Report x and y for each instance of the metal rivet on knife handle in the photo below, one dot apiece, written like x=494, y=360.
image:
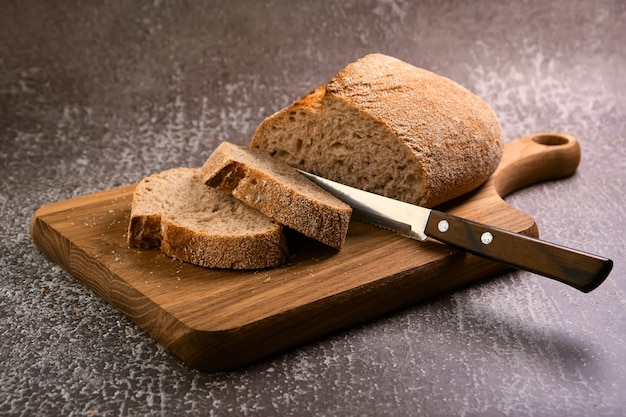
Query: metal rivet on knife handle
x=486, y=238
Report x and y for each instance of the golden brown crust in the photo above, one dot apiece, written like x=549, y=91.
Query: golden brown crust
x=223, y=250
x=278, y=191
x=391, y=128
x=144, y=231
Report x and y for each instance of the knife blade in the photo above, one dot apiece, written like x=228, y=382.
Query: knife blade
x=581, y=270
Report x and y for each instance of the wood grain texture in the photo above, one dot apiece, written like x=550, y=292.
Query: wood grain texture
x=220, y=319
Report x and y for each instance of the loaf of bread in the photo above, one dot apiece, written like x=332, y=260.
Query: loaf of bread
x=278, y=191
x=385, y=126
x=195, y=223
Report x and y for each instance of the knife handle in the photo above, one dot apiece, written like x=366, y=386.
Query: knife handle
x=578, y=269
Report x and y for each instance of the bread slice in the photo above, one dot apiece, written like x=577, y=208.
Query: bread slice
x=388, y=127
x=200, y=225
x=278, y=191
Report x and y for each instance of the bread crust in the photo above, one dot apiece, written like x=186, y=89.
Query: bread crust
x=223, y=250
x=189, y=221
x=278, y=191
x=388, y=127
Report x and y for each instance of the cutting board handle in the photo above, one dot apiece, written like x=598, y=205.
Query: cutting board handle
x=531, y=159
x=535, y=158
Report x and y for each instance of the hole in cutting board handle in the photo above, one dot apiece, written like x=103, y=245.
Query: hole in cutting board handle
x=551, y=139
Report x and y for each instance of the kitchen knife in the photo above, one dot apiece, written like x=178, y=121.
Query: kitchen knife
x=580, y=270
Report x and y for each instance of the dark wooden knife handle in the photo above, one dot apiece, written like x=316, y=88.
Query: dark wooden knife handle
x=578, y=269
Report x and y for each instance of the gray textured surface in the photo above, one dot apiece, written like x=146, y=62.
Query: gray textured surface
x=98, y=95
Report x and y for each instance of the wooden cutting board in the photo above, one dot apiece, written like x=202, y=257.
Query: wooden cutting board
x=221, y=319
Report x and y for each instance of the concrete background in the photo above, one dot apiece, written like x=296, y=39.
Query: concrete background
x=98, y=94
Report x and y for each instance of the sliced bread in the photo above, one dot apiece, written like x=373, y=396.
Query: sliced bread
x=278, y=191
x=194, y=223
x=388, y=127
